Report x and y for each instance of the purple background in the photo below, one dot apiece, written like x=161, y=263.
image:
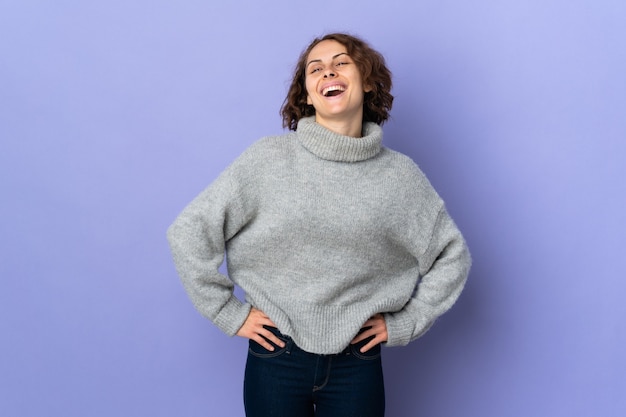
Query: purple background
x=113, y=115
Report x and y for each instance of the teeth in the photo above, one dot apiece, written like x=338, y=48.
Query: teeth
x=332, y=88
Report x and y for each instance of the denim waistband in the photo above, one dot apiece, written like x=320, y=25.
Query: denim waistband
x=291, y=344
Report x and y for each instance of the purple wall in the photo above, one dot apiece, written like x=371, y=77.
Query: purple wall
x=113, y=115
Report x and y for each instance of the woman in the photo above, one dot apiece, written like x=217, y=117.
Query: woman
x=339, y=244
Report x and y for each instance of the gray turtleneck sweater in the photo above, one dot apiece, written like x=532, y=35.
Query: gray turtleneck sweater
x=322, y=232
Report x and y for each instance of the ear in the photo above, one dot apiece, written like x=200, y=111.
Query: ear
x=308, y=100
x=367, y=88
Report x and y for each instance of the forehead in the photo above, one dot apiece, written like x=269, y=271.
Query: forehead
x=326, y=50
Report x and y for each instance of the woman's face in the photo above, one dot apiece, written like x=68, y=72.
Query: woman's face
x=333, y=84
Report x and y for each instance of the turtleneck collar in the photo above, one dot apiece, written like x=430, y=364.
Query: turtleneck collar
x=332, y=146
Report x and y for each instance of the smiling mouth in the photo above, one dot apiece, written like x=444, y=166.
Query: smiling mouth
x=333, y=90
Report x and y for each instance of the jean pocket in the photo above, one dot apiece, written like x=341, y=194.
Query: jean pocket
x=259, y=351
x=373, y=353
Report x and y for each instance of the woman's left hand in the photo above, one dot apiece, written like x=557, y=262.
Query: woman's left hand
x=376, y=327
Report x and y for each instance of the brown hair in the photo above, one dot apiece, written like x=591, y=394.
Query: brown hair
x=374, y=73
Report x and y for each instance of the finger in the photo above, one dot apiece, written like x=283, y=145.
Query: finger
x=369, y=345
x=256, y=320
x=368, y=325
x=266, y=333
x=362, y=336
x=263, y=342
x=268, y=322
x=379, y=333
x=373, y=323
x=378, y=339
x=261, y=328
x=263, y=337
x=255, y=329
x=273, y=338
x=369, y=331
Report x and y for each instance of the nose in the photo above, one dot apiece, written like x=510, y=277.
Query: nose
x=329, y=73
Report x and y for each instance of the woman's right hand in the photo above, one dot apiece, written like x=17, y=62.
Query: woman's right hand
x=253, y=329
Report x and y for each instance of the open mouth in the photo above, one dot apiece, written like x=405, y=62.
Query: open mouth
x=333, y=90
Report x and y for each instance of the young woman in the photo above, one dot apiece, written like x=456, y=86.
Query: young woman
x=339, y=244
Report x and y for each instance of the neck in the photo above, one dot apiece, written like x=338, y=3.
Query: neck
x=347, y=127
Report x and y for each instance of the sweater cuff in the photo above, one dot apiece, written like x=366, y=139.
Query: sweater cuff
x=232, y=316
x=398, y=329
x=403, y=327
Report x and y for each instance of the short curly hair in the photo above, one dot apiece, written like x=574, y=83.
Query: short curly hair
x=374, y=73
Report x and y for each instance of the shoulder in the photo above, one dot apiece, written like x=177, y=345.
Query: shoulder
x=411, y=187
x=270, y=145
x=403, y=167
x=242, y=175
x=264, y=152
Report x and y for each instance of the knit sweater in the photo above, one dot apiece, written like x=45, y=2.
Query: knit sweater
x=322, y=232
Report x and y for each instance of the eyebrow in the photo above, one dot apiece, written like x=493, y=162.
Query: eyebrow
x=319, y=60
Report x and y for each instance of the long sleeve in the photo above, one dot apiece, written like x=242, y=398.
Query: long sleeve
x=444, y=266
x=197, y=241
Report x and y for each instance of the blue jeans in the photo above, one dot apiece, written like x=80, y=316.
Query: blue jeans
x=290, y=382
